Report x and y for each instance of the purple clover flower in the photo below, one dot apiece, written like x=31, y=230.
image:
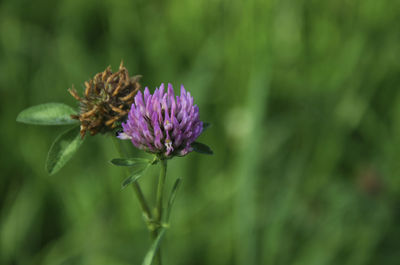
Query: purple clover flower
x=163, y=123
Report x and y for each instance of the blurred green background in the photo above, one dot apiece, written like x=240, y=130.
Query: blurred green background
x=304, y=101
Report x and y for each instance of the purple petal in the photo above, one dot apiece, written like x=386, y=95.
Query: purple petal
x=163, y=122
x=146, y=94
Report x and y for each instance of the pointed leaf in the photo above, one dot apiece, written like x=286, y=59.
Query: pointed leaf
x=132, y=178
x=129, y=162
x=148, y=259
x=47, y=114
x=202, y=148
x=62, y=149
x=206, y=125
x=172, y=197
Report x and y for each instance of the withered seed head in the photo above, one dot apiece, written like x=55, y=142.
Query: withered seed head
x=106, y=100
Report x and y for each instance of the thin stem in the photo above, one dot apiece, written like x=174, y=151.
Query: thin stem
x=160, y=189
x=142, y=201
x=136, y=188
x=159, y=205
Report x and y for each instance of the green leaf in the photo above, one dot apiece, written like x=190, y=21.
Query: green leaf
x=206, y=125
x=132, y=178
x=130, y=162
x=62, y=149
x=148, y=259
x=202, y=148
x=172, y=197
x=47, y=114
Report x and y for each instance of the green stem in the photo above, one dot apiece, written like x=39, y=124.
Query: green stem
x=160, y=189
x=142, y=201
x=159, y=205
x=136, y=188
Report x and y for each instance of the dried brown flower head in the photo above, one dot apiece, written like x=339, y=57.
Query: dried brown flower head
x=106, y=101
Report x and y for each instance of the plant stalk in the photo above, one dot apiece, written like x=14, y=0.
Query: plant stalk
x=136, y=188
x=159, y=206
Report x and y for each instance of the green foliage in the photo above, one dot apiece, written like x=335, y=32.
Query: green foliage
x=133, y=178
x=172, y=198
x=202, y=148
x=148, y=259
x=47, y=114
x=206, y=125
x=304, y=101
x=130, y=162
x=139, y=164
x=62, y=149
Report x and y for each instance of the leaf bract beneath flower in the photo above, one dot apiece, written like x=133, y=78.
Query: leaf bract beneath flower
x=202, y=148
x=206, y=125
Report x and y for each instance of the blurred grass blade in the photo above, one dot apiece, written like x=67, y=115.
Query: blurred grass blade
x=47, y=114
x=148, y=259
x=132, y=178
x=62, y=149
x=172, y=197
x=129, y=162
x=202, y=148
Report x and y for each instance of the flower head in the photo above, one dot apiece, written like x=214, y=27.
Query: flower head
x=163, y=123
x=106, y=101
